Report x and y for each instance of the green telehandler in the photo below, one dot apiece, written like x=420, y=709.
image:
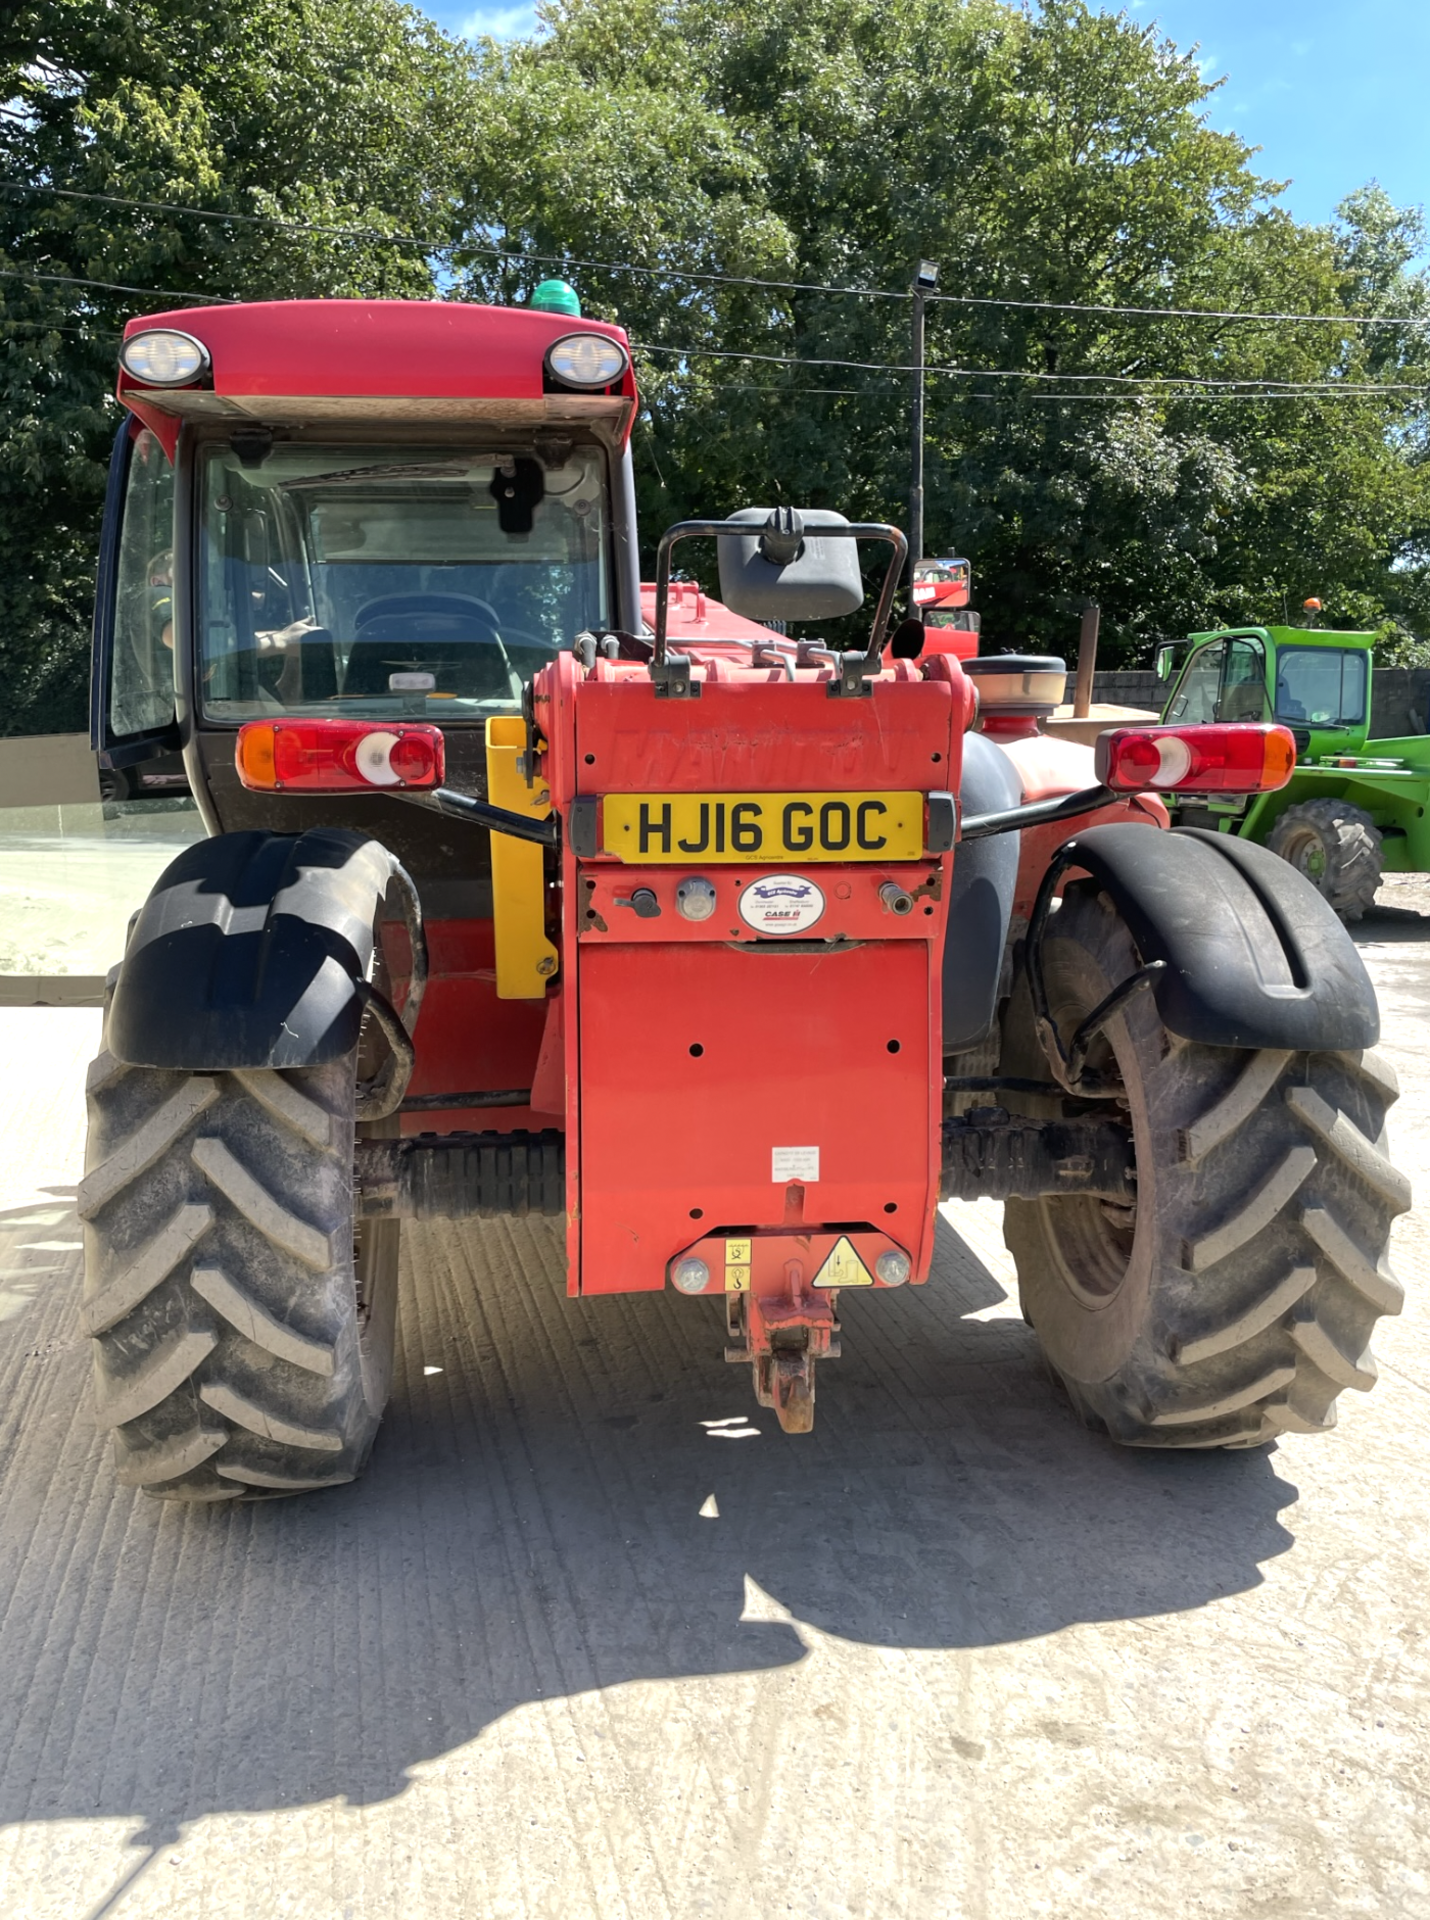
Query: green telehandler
x=1355, y=807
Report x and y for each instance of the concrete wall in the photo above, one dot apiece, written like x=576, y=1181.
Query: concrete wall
x=1399, y=701
x=47, y=770
x=1140, y=688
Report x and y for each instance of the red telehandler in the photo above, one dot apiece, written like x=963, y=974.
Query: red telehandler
x=530, y=890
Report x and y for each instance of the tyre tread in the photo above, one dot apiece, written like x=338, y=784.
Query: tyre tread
x=1353, y=844
x=1278, y=1196
x=220, y=1285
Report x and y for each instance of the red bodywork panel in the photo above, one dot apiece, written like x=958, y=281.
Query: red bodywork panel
x=692, y=615
x=1047, y=767
x=469, y=1041
x=794, y=1054
x=721, y=1083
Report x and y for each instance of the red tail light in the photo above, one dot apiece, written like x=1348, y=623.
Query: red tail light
x=1206, y=759
x=338, y=756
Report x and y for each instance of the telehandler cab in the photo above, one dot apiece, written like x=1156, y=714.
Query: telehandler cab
x=534, y=890
x=1356, y=806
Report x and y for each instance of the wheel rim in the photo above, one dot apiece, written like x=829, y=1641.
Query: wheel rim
x=1094, y=1243
x=1306, y=851
x=1093, y=1239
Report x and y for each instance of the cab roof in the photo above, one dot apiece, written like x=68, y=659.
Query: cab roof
x=1288, y=636
x=436, y=361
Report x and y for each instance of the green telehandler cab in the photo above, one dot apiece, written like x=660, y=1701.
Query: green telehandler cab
x=1355, y=808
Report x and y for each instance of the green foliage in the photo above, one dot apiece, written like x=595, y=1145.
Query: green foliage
x=1056, y=155
x=1043, y=154
x=321, y=112
x=1395, y=646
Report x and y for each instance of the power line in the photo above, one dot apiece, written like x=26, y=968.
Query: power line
x=113, y=286
x=213, y=213
x=714, y=279
x=1082, y=399
x=1179, y=313
x=1194, y=381
x=439, y=250
x=1200, y=383
x=8, y=325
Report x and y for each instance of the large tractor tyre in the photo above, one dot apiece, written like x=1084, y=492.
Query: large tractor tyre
x=1337, y=847
x=1235, y=1299
x=243, y=1321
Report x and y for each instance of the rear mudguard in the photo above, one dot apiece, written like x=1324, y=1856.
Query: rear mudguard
x=247, y=952
x=980, y=898
x=1254, y=956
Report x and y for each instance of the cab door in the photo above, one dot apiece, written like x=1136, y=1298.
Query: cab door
x=1224, y=680
x=132, y=707
x=1194, y=702
x=1243, y=693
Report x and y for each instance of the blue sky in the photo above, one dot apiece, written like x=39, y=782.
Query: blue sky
x=1333, y=94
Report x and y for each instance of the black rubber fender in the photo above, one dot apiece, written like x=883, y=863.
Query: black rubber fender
x=980, y=898
x=1255, y=957
x=247, y=950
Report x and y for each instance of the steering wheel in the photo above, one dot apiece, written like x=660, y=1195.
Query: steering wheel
x=455, y=605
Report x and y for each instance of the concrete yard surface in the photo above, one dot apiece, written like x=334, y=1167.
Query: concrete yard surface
x=594, y=1641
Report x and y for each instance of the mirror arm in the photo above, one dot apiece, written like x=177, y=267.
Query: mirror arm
x=735, y=529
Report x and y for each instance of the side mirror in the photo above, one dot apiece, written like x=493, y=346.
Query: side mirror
x=782, y=570
x=1166, y=660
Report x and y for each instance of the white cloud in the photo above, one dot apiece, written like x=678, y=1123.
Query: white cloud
x=502, y=23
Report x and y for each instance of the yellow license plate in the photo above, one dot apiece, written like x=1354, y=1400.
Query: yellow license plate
x=763, y=827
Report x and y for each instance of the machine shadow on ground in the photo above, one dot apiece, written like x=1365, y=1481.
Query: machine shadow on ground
x=531, y=1526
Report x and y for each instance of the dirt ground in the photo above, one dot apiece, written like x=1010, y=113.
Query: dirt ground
x=593, y=1639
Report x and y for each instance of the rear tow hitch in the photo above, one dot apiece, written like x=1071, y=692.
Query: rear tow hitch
x=782, y=1334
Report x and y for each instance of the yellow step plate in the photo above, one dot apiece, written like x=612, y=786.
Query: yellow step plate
x=670, y=828
x=526, y=959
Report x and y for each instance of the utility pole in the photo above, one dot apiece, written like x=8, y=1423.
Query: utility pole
x=925, y=280
x=1086, y=660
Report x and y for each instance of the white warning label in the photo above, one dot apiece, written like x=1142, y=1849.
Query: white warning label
x=794, y=1163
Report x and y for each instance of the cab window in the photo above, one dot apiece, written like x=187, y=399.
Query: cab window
x=141, y=689
x=1243, y=683
x=1224, y=680
x=1194, y=702
x=379, y=579
x=1321, y=686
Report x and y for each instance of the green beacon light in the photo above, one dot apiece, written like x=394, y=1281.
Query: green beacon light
x=557, y=296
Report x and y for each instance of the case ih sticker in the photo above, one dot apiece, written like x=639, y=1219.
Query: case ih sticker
x=782, y=903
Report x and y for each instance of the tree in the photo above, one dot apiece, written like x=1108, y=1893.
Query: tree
x=1059, y=158
x=296, y=122
x=739, y=166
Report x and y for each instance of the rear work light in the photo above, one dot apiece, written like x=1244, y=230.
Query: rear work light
x=164, y=357
x=1201, y=759
x=587, y=360
x=337, y=756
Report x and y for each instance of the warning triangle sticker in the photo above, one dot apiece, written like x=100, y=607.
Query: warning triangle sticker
x=843, y=1268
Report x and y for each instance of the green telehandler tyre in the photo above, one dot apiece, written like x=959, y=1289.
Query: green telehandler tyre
x=1337, y=847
